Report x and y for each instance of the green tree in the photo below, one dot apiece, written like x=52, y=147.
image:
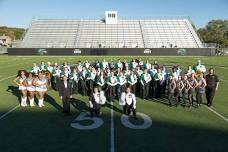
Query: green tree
x=216, y=31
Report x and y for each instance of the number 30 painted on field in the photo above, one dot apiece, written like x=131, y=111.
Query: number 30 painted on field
x=97, y=122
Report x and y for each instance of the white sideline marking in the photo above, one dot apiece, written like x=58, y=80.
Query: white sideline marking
x=5, y=114
x=112, y=129
x=7, y=78
x=218, y=114
x=223, y=67
x=224, y=80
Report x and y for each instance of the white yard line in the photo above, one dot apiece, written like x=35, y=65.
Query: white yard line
x=7, y=113
x=12, y=65
x=223, y=80
x=218, y=114
x=112, y=148
x=7, y=77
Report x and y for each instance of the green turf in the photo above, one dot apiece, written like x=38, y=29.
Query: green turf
x=173, y=129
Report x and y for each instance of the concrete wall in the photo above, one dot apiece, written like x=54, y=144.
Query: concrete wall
x=112, y=51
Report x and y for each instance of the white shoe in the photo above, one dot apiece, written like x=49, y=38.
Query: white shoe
x=25, y=101
x=42, y=102
x=25, y=104
x=32, y=105
x=39, y=104
x=32, y=102
x=22, y=104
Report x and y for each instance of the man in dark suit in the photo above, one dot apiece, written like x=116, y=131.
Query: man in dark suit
x=65, y=93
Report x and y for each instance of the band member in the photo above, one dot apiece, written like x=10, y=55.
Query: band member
x=132, y=80
x=104, y=65
x=56, y=78
x=193, y=84
x=112, y=82
x=91, y=75
x=74, y=79
x=171, y=89
x=140, y=63
x=121, y=86
x=35, y=69
x=178, y=90
x=65, y=72
x=185, y=90
x=165, y=77
x=153, y=72
x=82, y=81
x=145, y=79
x=139, y=72
x=100, y=81
x=126, y=65
x=87, y=64
x=133, y=64
x=199, y=67
x=190, y=71
x=43, y=67
x=119, y=64
x=65, y=65
x=127, y=72
x=128, y=101
x=179, y=70
x=212, y=85
x=30, y=88
x=200, y=89
x=41, y=87
x=65, y=93
x=49, y=67
x=147, y=65
x=159, y=80
x=79, y=66
x=20, y=82
x=175, y=73
x=95, y=101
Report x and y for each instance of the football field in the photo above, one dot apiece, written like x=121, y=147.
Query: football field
x=159, y=128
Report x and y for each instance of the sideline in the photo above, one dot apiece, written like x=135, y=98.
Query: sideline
x=7, y=113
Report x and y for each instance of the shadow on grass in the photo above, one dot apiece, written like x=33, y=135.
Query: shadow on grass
x=14, y=91
x=42, y=127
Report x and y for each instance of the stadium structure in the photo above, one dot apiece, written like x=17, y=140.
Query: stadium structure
x=111, y=36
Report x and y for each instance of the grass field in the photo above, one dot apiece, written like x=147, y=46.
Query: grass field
x=34, y=129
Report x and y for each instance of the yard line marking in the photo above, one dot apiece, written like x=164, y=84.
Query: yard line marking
x=218, y=114
x=7, y=113
x=112, y=129
x=7, y=78
x=224, y=80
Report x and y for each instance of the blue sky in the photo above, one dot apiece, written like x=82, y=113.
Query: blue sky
x=19, y=13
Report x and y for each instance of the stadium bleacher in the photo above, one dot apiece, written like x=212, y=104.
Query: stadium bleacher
x=125, y=33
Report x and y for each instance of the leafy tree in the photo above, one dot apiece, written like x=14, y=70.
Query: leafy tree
x=216, y=31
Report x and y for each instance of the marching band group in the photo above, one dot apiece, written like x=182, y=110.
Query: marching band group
x=102, y=80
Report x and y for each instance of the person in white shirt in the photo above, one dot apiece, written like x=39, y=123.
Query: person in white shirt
x=49, y=67
x=200, y=67
x=96, y=99
x=35, y=69
x=190, y=71
x=121, y=86
x=20, y=82
x=41, y=87
x=128, y=101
